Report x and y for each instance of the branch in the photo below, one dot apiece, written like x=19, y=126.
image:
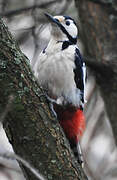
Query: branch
x=7, y=108
x=12, y=156
x=23, y=10
x=110, y=5
x=33, y=131
x=105, y=70
x=100, y=42
x=102, y=2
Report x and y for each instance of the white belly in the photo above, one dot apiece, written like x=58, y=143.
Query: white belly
x=54, y=72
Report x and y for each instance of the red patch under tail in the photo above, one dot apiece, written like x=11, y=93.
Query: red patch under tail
x=72, y=121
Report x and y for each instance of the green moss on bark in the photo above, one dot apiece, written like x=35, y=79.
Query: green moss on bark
x=32, y=129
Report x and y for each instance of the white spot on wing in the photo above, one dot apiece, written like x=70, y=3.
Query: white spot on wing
x=84, y=78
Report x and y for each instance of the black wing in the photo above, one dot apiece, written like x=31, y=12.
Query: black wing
x=79, y=72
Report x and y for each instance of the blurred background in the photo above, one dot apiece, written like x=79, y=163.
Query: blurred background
x=26, y=22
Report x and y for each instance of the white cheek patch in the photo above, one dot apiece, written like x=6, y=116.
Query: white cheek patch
x=71, y=29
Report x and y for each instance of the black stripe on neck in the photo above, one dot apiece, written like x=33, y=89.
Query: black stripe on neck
x=71, y=39
x=65, y=44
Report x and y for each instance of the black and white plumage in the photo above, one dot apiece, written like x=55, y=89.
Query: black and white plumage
x=60, y=67
x=61, y=71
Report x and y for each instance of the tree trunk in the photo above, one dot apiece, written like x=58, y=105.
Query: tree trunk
x=99, y=26
x=33, y=131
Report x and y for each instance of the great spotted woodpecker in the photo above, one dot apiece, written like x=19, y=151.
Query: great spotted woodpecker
x=61, y=70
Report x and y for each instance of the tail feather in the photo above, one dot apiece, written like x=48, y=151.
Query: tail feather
x=72, y=121
x=77, y=151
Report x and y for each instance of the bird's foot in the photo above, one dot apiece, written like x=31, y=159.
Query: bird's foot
x=50, y=103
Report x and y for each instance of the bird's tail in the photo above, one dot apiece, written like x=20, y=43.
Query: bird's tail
x=72, y=121
x=77, y=151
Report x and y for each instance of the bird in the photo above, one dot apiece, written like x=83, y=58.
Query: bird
x=60, y=70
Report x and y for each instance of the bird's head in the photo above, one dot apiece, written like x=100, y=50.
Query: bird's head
x=63, y=27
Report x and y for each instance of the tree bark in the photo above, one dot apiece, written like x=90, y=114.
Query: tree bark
x=99, y=24
x=33, y=131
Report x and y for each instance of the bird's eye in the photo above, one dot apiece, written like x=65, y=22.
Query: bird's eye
x=67, y=23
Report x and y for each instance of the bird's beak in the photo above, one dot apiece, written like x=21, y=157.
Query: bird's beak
x=52, y=19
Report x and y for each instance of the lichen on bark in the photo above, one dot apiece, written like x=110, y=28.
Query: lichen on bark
x=33, y=131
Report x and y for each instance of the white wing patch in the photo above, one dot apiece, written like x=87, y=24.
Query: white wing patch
x=84, y=78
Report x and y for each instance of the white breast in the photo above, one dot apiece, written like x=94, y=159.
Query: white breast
x=54, y=71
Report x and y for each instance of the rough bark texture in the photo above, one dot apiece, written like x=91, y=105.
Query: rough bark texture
x=99, y=25
x=31, y=128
